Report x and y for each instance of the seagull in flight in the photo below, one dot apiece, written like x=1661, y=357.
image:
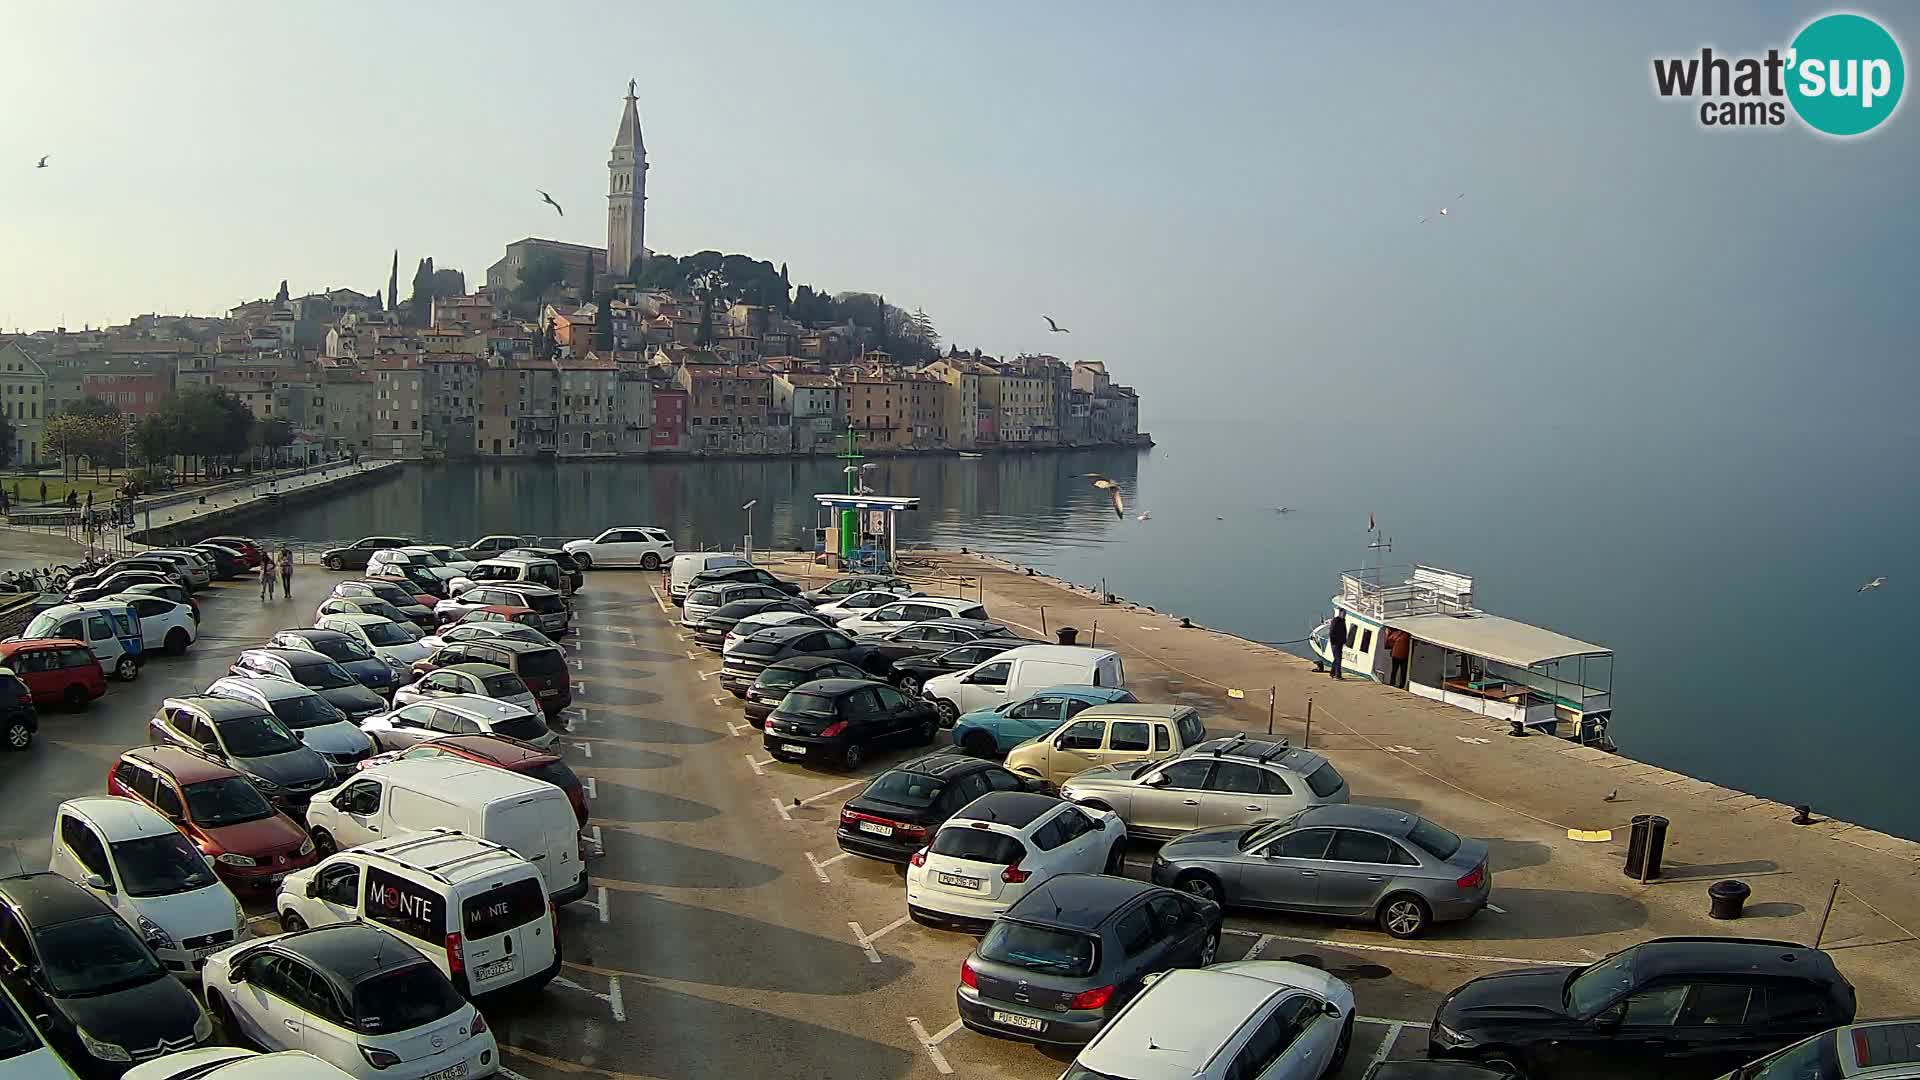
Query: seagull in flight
x=1145, y=515
x=548, y=199
x=1449, y=206
x=1283, y=509
x=43, y=161
x=1113, y=491
x=1874, y=584
x=1054, y=327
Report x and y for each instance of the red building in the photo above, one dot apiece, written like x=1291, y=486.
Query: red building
x=133, y=393
x=669, y=419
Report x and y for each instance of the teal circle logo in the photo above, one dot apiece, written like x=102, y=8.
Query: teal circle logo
x=1846, y=74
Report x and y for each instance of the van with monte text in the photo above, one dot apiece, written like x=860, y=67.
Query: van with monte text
x=528, y=815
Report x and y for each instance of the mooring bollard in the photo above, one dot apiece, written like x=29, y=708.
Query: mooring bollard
x=1728, y=898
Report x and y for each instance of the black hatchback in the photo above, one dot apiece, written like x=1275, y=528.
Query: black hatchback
x=1671, y=1007
x=99, y=993
x=895, y=814
x=833, y=721
x=1070, y=954
x=770, y=688
x=713, y=630
x=18, y=718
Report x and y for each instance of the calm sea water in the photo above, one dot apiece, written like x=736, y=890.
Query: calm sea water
x=1723, y=572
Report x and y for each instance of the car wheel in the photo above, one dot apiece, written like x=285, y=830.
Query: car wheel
x=1404, y=915
x=585, y=560
x=76, y=697
x=853, y=756
x=979, y=744
x=332, y=562
x=177, y=641
x=1210, y=948
x=1503, y=1063
x=323, y=843
x=125, y=670
x=949, y=712
x=1201, y=884
x=292, y=923
x=650, y=561
x=19, y=735
x=1117, y=861
x=909, y=686
x=1340, y=1050
x=223, y=1015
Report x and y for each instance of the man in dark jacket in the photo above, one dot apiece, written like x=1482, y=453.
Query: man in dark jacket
x=1337, y=640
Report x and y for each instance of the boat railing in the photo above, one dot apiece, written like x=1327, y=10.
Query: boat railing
x=1386, y=592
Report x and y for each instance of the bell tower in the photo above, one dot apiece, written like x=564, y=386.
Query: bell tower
x=627, y=193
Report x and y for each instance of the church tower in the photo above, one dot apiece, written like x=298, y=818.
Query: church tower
x=627, y=194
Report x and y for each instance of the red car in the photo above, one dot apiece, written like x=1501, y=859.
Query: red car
x=251, y=845
x=503, y=752
x=250, y=552
x=405, y=584
x=57, y=670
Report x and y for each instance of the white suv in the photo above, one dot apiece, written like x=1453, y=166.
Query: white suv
x=474, y=908
x=1001, y=846
x=646, y=548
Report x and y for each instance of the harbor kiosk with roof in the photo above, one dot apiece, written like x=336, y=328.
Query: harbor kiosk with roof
x=861, y=531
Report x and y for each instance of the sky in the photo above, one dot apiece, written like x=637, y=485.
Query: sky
x=1220, y=200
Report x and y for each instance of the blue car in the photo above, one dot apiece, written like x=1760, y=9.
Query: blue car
x=993, y=732
x=376, y=673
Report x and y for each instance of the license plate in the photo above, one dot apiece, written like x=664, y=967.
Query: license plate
x=957, y=881
x=796, y=748
x=274, y=880
x=495, y=969
x=548, y=693
x=455, y=1073
x=877, y=830
x=1012, y=1020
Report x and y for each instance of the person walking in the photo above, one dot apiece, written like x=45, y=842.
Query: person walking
x=1337, y=639
x=266, y=577
x=286, y=572
x=1399, y=644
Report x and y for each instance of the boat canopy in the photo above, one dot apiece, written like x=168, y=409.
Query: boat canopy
x=1495, y=638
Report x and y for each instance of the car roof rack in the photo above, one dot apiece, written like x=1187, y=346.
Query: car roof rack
x=1279, y=747
x=1230, y=744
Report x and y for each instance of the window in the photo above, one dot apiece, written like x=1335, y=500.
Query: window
x=1657, y=1006
x=993, y=675
x=99, y=627
x=1191, y=730
x=1272, y=1038
x=135, y=779
x=13, y=938
x=1305, y=844
x=1722, y=1004
x=1135, y=931
x=1366, y=641
x=86, y=847
x=1127, y=735
x=361, y=797
x=1326, y=780
x=1083, y=735
x=1352, y=845
x=399, y=904
x=1002, y=780
x=499, y=910
x=1796, y=1005
x=1272, y=783
x=1074, y=823
x=1232, y=776
x=167, y=800
x=1170, y=915
x=1189, y=774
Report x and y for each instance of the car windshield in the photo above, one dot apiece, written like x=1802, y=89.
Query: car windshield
x=306, y=711
x=336, y=647
x=161, y=866
x=94, y=955
x=1810, y=1059
x=504, y=684
x=230, y=800
x=41, y=627
x=1592, y=988
x=525, y=728
x=392, y=594
x=391, y=633
x=1326, y=780
x=322, y=675
x=775, y=678
x=1260, y=834
x=425, y=558
x=16, y=1036
x=545, y=603
x=1431, y=838
x=257, y=736
x=543, y=662
x=978, y=845
x=900, y=787
x=401, y=1000
x=759, y=646
x=1038, y=948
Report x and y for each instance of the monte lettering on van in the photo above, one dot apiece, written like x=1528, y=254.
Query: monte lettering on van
x=399, y=904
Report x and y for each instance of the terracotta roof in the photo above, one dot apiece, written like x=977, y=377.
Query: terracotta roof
x=812, y=379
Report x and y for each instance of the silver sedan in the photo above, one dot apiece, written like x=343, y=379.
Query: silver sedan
x=1199, y=789
x=1393, y=868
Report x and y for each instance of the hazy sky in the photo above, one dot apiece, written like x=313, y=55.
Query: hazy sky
x=1208, y=194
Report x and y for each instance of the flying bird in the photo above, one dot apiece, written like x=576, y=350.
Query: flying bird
x=1456, y=200
x=1370, y=525
x=1146, y=515
x=1055, y=327
x=1874, y=584
x=548, y=199
x=43, y=161
x=1283, y=509
x=1113, y=491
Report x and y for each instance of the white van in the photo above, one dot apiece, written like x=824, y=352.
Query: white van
x=111, y=629
x=688, y=564
x=474, y=908
x=532, y=817
x=1020, y=672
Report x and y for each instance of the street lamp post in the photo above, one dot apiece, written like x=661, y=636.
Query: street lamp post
x=748, y=546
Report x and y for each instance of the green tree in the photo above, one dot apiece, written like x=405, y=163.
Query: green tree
x=91, y=406
x=393, y=283
x=7, y=436
x=66, y=436
x=586, y=285
x=603, y=324
x=542, y=274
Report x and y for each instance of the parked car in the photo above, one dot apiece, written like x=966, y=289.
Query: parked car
x=373, y=605
x=898, y=810
x=424, y=582
x=473, y=909
x=713, y=630
x=913, y=609
x=228, y=564
x=1019, y=672
x=372, y=670
x=1073, y=952
x=552, y=617
x=853, y=583
x=1424, y=1069
x=517, y=567
x=57, y=671
x=1681, y=1007
x=355, y=996
x=149, y=874
x=502, y=752
x=690, y=564
x=19, y=719
x=108, y=627
x=488, y=546
x=355, y=555
x=936, y=636
x=770, y=688
x=576, y=577
x=743, y=663
x=542, y=667
x=768, y=617
x=411, y=609
x=249, y=550
x=479, y=680
x=25, y=1053
x=1392, y=868
x=166, y=568
x=1265, y=1019
x=315, y=721
x=910, y=673
x=458, y=714
x=251, y=844
x=1876, y=1050
x=97, y=991
x=1237, y=781
x=236, y=1063
x=314, y=670
x=197, y=568
x=249, y=739
x=398, y=642
x=482, y=624
x=124, y=581
x=834, y=721
x=1001, y=846
x=431, y=565
x=995, y=731
x=704, y=600
x=745, y=575
x=1108, y=735
x=642, y=546
x=162, y=590
x=446, y=555
x=850, y=605
x=165, y=626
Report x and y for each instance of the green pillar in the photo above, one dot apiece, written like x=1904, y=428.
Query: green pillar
x=850, y=519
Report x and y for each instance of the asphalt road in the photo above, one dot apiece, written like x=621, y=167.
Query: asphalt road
x=725, y=935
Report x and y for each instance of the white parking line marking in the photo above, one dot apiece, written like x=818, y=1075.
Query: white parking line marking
x=931, y=1044
x=593, y=792
x=615, y=1001
x=831, y=791
x=691, y=655
x=658, y=599
x=892, y=926
x=705, y=675
x=781, y=809
x=1386, y=1046
x=1496, y=909
x=1403, y=950
x=820, y=868
x=586, y=748
x=873, y=954
x=510, y=1074
x=737, y=730
x=1259, y=947
x=759, y=767
x=576, y=664
x=1417, y=1025
x=719, y=700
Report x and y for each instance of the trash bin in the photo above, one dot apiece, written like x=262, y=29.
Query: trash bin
x=1067, y=634
x=1646, y=841
x=1729, y=898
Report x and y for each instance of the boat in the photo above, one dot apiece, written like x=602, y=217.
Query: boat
x=965, y=454
x=1529, y=677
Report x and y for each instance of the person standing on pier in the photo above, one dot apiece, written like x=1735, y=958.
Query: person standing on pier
x=1399, y=644
x=286, y=572
x=1337, y=640
x=266, y=576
